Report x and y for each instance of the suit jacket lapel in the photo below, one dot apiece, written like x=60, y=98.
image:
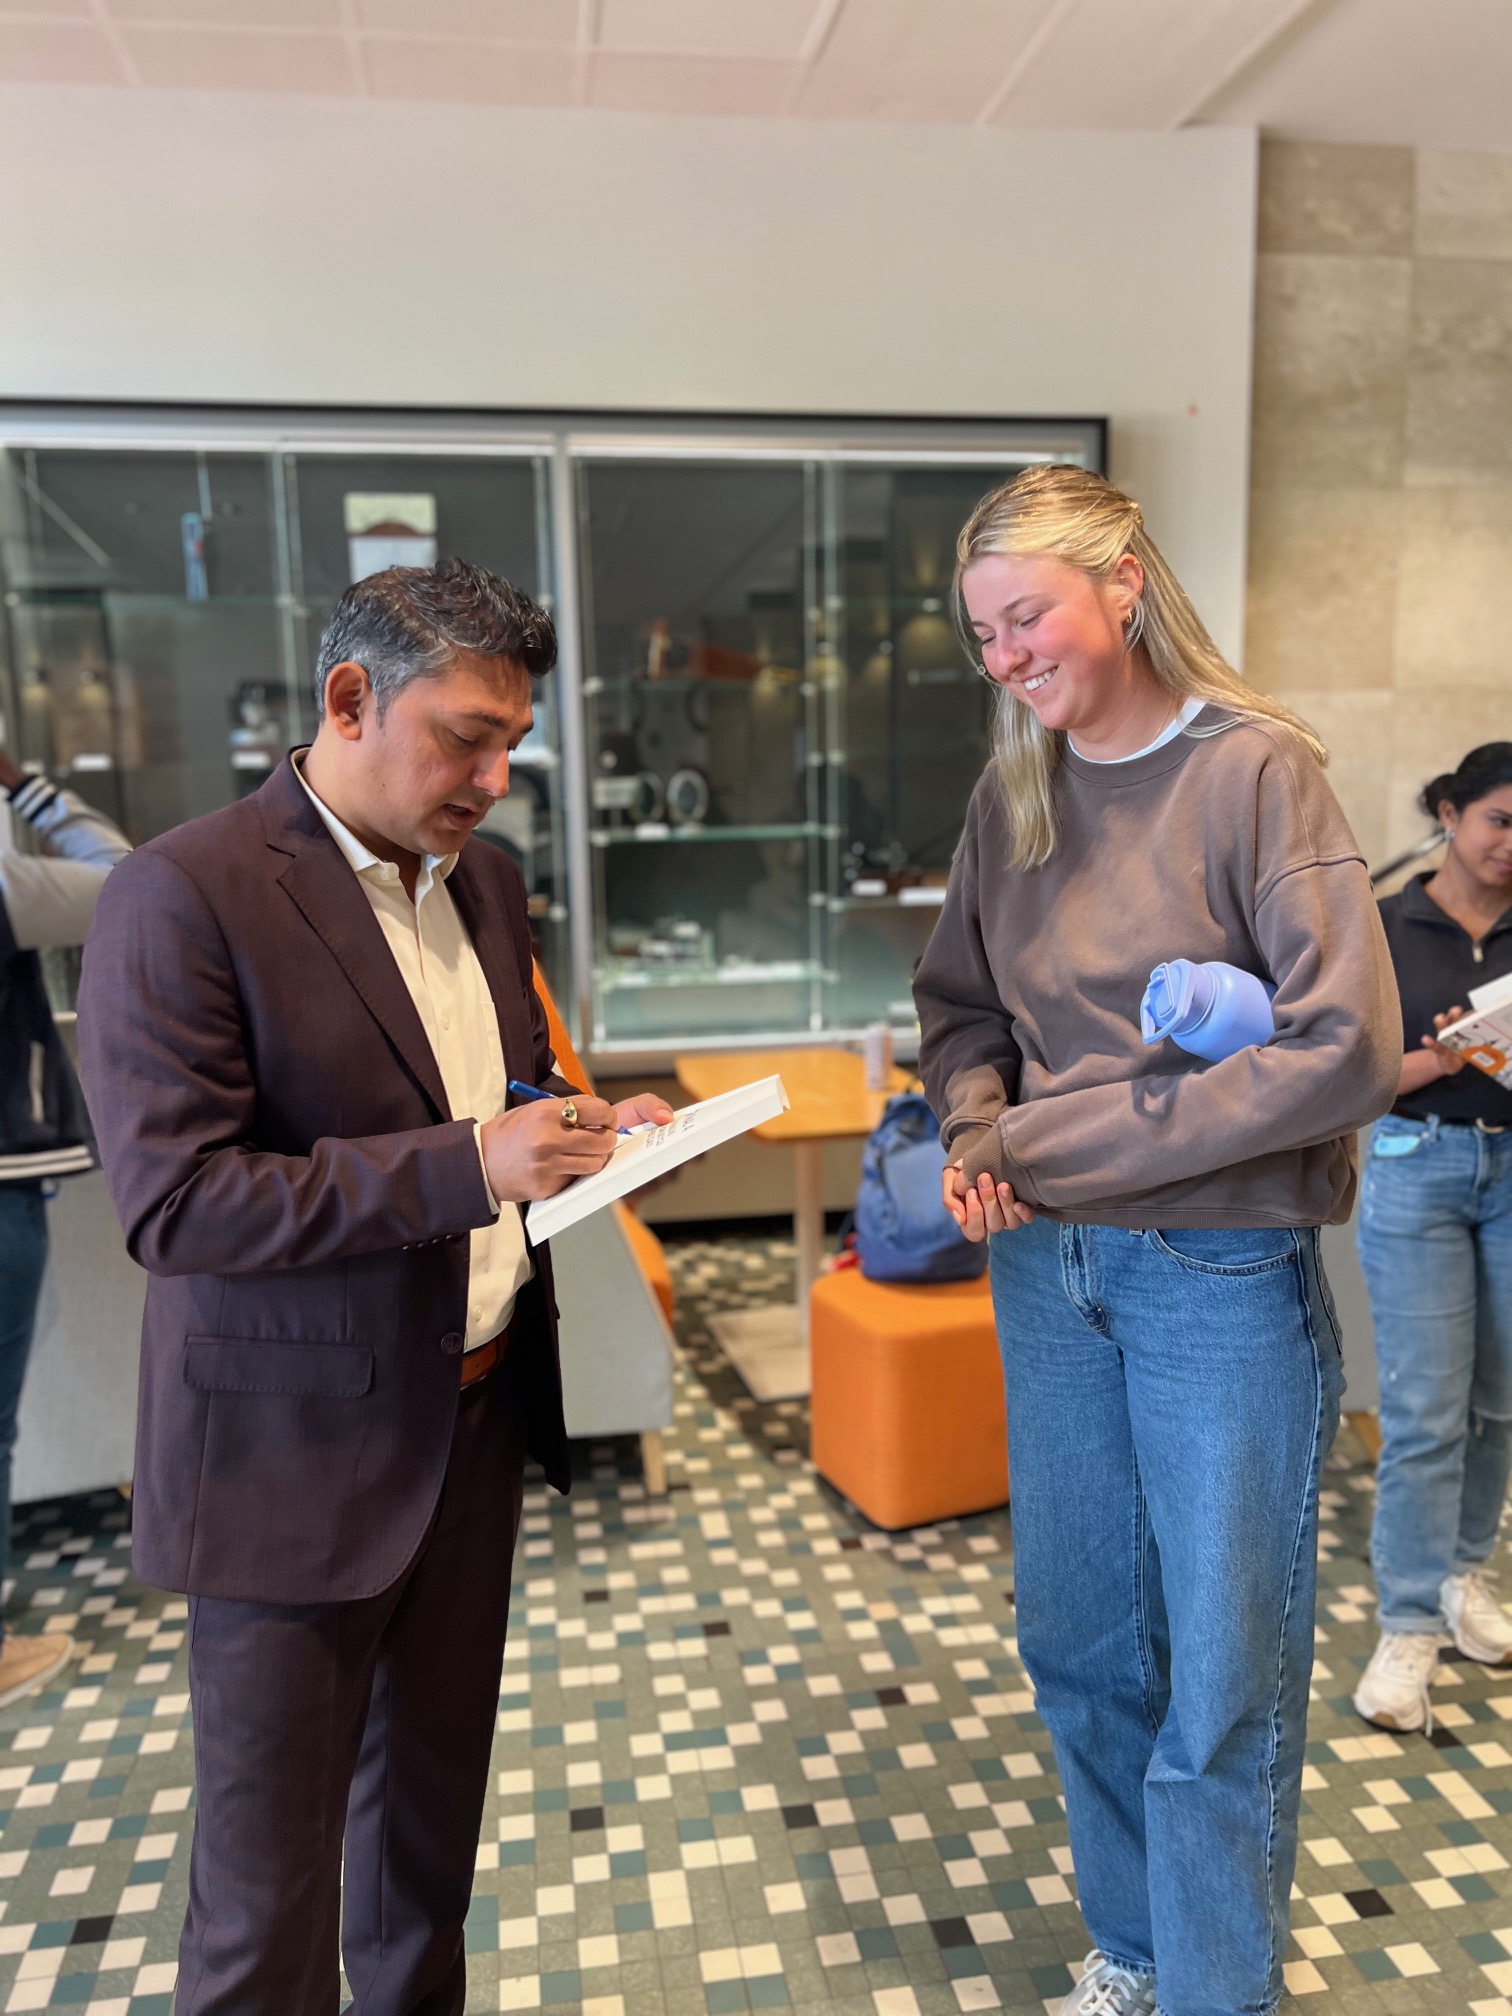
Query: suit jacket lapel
x=320, y=881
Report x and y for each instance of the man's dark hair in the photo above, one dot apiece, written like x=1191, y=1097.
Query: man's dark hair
x=407, y=622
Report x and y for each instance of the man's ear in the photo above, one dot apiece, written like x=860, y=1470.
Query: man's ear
x=349, y=702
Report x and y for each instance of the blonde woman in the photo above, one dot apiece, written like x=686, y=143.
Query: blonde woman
x=1169, y=1345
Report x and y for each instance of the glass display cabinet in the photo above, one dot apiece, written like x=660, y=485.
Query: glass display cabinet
x=737, y=810
x=780, y=728
x=165, y=601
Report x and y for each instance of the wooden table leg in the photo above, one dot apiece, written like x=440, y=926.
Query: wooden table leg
x=654, y=1462
x=808, y=1221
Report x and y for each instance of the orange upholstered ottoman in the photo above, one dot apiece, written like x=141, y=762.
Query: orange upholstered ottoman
x=907, y=1413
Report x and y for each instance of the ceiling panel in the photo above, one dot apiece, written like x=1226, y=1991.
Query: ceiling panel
x=1406, y=73
x=1106, y=64
x=766, y=28
x=921, y=93
x=543, y=22
x=620, y=83
x=49, y=52
x=201, y=59
x=1431, y=73
x=245, y=14
x=39, y=11
x=472, y=73
x=939, y=34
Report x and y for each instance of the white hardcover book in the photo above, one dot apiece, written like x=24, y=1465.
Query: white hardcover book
x=653, y=1151
x=1484, y=1036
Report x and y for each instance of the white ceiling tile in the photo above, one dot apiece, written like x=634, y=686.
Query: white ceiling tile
x=938, y=33
x=248, y=14
x=685, y=84
x=904, y=93
x=202, y=59
x=471, y=73
x=55, y=52
x=774, y=28
x=1111, y=64
x=1395, y=73
x=539, y=22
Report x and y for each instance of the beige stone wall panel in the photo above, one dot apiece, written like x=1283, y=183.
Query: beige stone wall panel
x=1459, y=395
x=1321, y=198
x=1380, y=599
x=1464, y=205
x=1331, y=350
x=1454, y=593
x=1322, y=587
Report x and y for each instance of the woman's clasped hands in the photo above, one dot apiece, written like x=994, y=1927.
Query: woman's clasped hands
x=984, y=1206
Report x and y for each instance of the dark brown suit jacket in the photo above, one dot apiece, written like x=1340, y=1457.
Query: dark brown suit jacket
x=278, y=1144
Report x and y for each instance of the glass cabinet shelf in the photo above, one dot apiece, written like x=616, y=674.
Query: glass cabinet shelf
x=652, y=835
x=926, y=898
x=762, y=682
x=773, y=973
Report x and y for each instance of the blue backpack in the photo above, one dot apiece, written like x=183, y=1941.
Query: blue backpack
x=903, y=1231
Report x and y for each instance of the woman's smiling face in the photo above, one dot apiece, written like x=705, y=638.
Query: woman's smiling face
x=1051, y=634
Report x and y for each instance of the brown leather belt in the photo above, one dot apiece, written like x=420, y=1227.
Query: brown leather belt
x=478, y=1364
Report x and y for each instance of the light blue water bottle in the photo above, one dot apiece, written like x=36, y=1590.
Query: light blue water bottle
x=1211, y=1009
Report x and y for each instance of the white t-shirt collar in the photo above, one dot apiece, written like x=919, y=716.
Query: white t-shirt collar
x=1189, y=711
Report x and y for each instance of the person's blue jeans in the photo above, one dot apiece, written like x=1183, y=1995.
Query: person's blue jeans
x=1171, y=1397
x=23, y=1260
x=1435, y=1242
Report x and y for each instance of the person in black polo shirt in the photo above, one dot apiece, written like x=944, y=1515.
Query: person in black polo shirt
x=1436, y=1244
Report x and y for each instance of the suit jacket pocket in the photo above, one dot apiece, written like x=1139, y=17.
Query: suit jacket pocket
x=276, y=1365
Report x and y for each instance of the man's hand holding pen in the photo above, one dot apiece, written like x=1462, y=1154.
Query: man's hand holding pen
x=538, y=1148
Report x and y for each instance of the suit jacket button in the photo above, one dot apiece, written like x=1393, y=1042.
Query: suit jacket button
x=452, y=1343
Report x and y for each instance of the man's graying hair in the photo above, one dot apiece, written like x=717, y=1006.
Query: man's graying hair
x=407, y=622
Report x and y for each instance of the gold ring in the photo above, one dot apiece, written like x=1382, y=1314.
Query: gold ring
x=569, y=1113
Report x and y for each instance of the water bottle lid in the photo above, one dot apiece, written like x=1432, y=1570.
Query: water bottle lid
x=1179, y=995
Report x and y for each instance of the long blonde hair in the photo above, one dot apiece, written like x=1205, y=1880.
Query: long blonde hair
x=1081, y=519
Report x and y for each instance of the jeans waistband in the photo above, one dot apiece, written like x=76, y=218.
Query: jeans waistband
x=1436, y=1120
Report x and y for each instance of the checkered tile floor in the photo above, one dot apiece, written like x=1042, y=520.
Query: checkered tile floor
x=751, y=1755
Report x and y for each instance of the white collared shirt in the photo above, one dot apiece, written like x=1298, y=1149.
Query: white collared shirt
x=438, y=965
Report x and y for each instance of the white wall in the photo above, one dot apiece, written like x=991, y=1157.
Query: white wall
x=178, y=246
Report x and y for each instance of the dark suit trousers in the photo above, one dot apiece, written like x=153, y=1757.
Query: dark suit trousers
x=374, y=1719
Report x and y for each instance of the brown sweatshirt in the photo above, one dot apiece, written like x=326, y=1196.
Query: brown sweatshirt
x=1216, y=846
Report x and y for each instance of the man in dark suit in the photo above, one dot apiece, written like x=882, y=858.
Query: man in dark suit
x=297, y=1021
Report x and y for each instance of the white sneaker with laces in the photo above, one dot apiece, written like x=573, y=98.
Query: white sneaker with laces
x=1481, y=1627
x=1393, y=1689
x=1106, y=1989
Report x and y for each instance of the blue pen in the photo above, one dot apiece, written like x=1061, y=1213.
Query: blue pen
x=522, y=1091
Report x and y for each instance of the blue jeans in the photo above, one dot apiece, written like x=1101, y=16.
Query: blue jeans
x=23, y=1260
x=1436, y=1245
x=1171, y=1396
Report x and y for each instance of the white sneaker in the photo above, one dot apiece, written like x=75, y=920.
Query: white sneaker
x=1107, y=1989
x=1481, y=1628
x=1393, y=1689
